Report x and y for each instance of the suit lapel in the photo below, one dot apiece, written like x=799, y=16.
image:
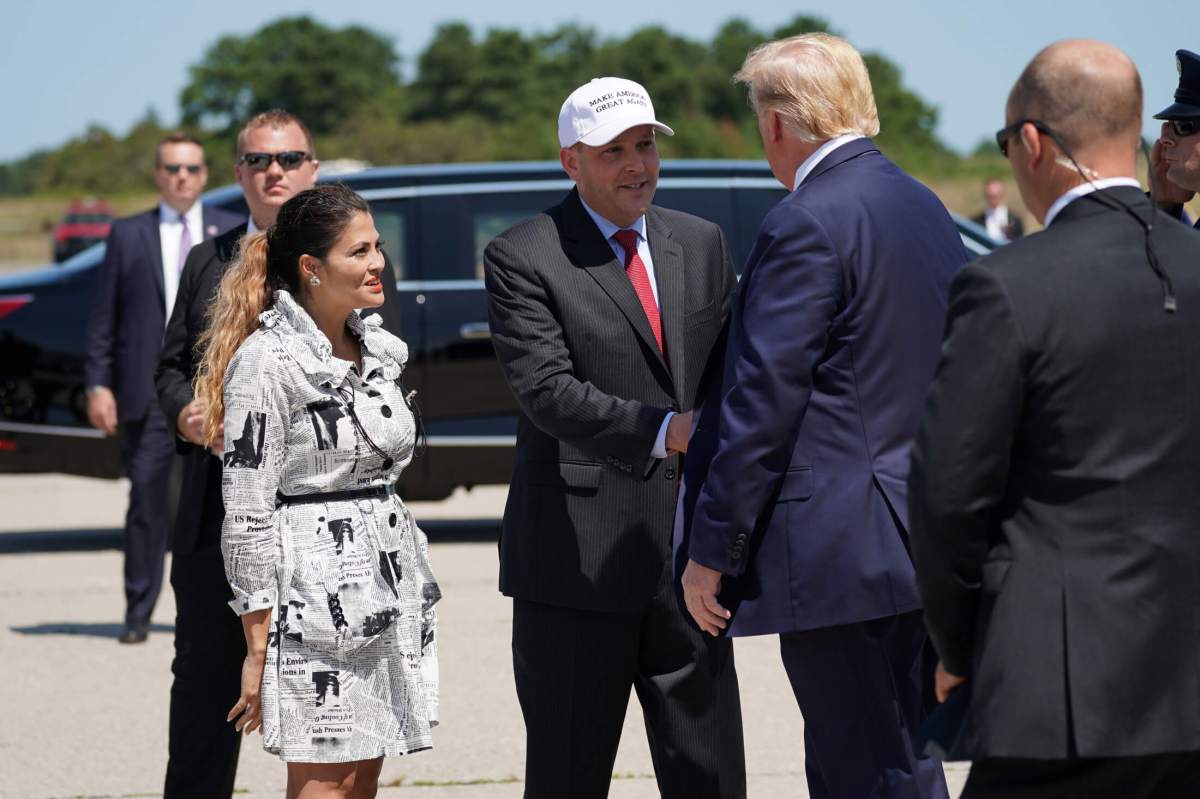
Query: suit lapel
x=589, y=250
x=153, y=244
x=669, y=274
x=211, y=228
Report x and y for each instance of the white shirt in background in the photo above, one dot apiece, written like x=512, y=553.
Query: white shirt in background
x=170, y=231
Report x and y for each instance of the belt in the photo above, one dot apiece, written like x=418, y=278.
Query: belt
x=374, y=492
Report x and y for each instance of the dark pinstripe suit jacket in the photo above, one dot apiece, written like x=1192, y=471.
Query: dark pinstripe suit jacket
x=588, y=521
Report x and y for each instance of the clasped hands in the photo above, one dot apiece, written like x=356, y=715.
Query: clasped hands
x=191, y=426
x=679, y=429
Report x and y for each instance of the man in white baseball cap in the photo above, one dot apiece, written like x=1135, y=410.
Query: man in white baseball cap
x=604, y=311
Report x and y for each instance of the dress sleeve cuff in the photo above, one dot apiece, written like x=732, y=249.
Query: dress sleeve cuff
x=660, y=443
x=248, y=603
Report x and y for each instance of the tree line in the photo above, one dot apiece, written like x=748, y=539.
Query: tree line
x=472, y=97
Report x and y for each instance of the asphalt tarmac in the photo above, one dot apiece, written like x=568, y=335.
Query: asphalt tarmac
x=87, y=717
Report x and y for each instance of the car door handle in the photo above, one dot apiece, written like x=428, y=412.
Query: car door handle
x=473, y=331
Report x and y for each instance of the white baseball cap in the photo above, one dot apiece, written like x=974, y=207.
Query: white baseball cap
x=604, y=108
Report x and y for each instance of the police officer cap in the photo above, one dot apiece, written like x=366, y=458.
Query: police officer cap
x=1187, y=96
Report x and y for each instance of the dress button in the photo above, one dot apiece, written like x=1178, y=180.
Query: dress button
x=387, y=464
x=386, y=411
x=391, y=520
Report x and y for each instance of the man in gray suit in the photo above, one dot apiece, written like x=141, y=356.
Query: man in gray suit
x=604, y=311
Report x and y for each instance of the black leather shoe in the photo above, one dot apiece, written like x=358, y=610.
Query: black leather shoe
x=133, y=634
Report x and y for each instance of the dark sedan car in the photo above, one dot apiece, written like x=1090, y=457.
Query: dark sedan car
x=437, y=221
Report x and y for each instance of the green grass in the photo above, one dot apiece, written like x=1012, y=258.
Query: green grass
x=26, y=224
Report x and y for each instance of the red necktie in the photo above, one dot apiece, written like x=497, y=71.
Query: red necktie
x=636, y=270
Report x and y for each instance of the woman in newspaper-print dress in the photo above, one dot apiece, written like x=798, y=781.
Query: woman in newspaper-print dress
x=328, y=570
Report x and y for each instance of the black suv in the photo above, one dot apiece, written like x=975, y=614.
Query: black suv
x=436, y=221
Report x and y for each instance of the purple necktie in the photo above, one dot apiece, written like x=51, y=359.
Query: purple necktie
x=185, y=244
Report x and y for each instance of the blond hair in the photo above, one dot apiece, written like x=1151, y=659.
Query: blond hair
x=277, y=119
x=816, y=82
x=243, y=295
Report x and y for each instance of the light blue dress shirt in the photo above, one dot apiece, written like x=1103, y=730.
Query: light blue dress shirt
x=607, y=229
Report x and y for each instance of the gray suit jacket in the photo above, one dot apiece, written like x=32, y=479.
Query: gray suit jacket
x=588, y=521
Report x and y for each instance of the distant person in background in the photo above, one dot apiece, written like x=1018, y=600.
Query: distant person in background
x=276, y=161
x=1176, y=155
x=996, y=219
x=135, y=293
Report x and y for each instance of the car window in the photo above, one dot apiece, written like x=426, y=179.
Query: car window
x=456, y=229
x=391, y=220
x=752, y=206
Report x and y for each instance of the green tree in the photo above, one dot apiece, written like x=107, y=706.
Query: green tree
x=442, y=87
x=322, y=75
x=664, y=63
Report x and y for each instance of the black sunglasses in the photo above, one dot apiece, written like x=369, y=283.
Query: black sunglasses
x=289, y=159
x=193, y=169
x=1184, y=127
x=1006, y=132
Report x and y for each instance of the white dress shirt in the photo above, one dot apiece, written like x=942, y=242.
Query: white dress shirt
x=1084, y=189
x=607, y=229
x=170, y=231
x=995, y=221
x=816, y=158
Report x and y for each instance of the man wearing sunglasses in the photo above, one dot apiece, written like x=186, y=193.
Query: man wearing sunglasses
x=276, y=161
x=1052, y=492
x=1176, y=154
x=136, y=288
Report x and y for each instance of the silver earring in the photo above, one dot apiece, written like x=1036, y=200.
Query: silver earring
x=314, y=280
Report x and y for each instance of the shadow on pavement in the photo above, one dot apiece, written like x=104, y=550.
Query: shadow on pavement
x=35, y=541
x=79, y=628
x=460, y=530
x=60, y=541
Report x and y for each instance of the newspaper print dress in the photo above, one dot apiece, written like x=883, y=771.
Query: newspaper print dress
x=351, y=666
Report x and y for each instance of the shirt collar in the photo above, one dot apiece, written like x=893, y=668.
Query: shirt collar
x=1084, y=189
x=310, y=348
x=607, y=228
x=816, y=158
x=251, y=228
x=169, y=215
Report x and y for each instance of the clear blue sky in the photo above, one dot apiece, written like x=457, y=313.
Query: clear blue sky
x=64, y=65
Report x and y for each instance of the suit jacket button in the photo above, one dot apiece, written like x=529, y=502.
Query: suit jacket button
x=669, y=473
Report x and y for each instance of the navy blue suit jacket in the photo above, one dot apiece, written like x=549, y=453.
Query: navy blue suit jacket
x=125, y=329
x=795, y=477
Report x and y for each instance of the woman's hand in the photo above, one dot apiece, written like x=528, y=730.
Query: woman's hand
x=248, y=710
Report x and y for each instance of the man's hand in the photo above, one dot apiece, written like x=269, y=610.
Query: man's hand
x=191, y=426
x=1166, y=191
x=679, y=429
x=945, y=682
x=102, y=410
x=700, y=588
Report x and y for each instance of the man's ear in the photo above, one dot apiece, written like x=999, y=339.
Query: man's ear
x=774, y=125
x=1032, y=142
x=569, y=160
